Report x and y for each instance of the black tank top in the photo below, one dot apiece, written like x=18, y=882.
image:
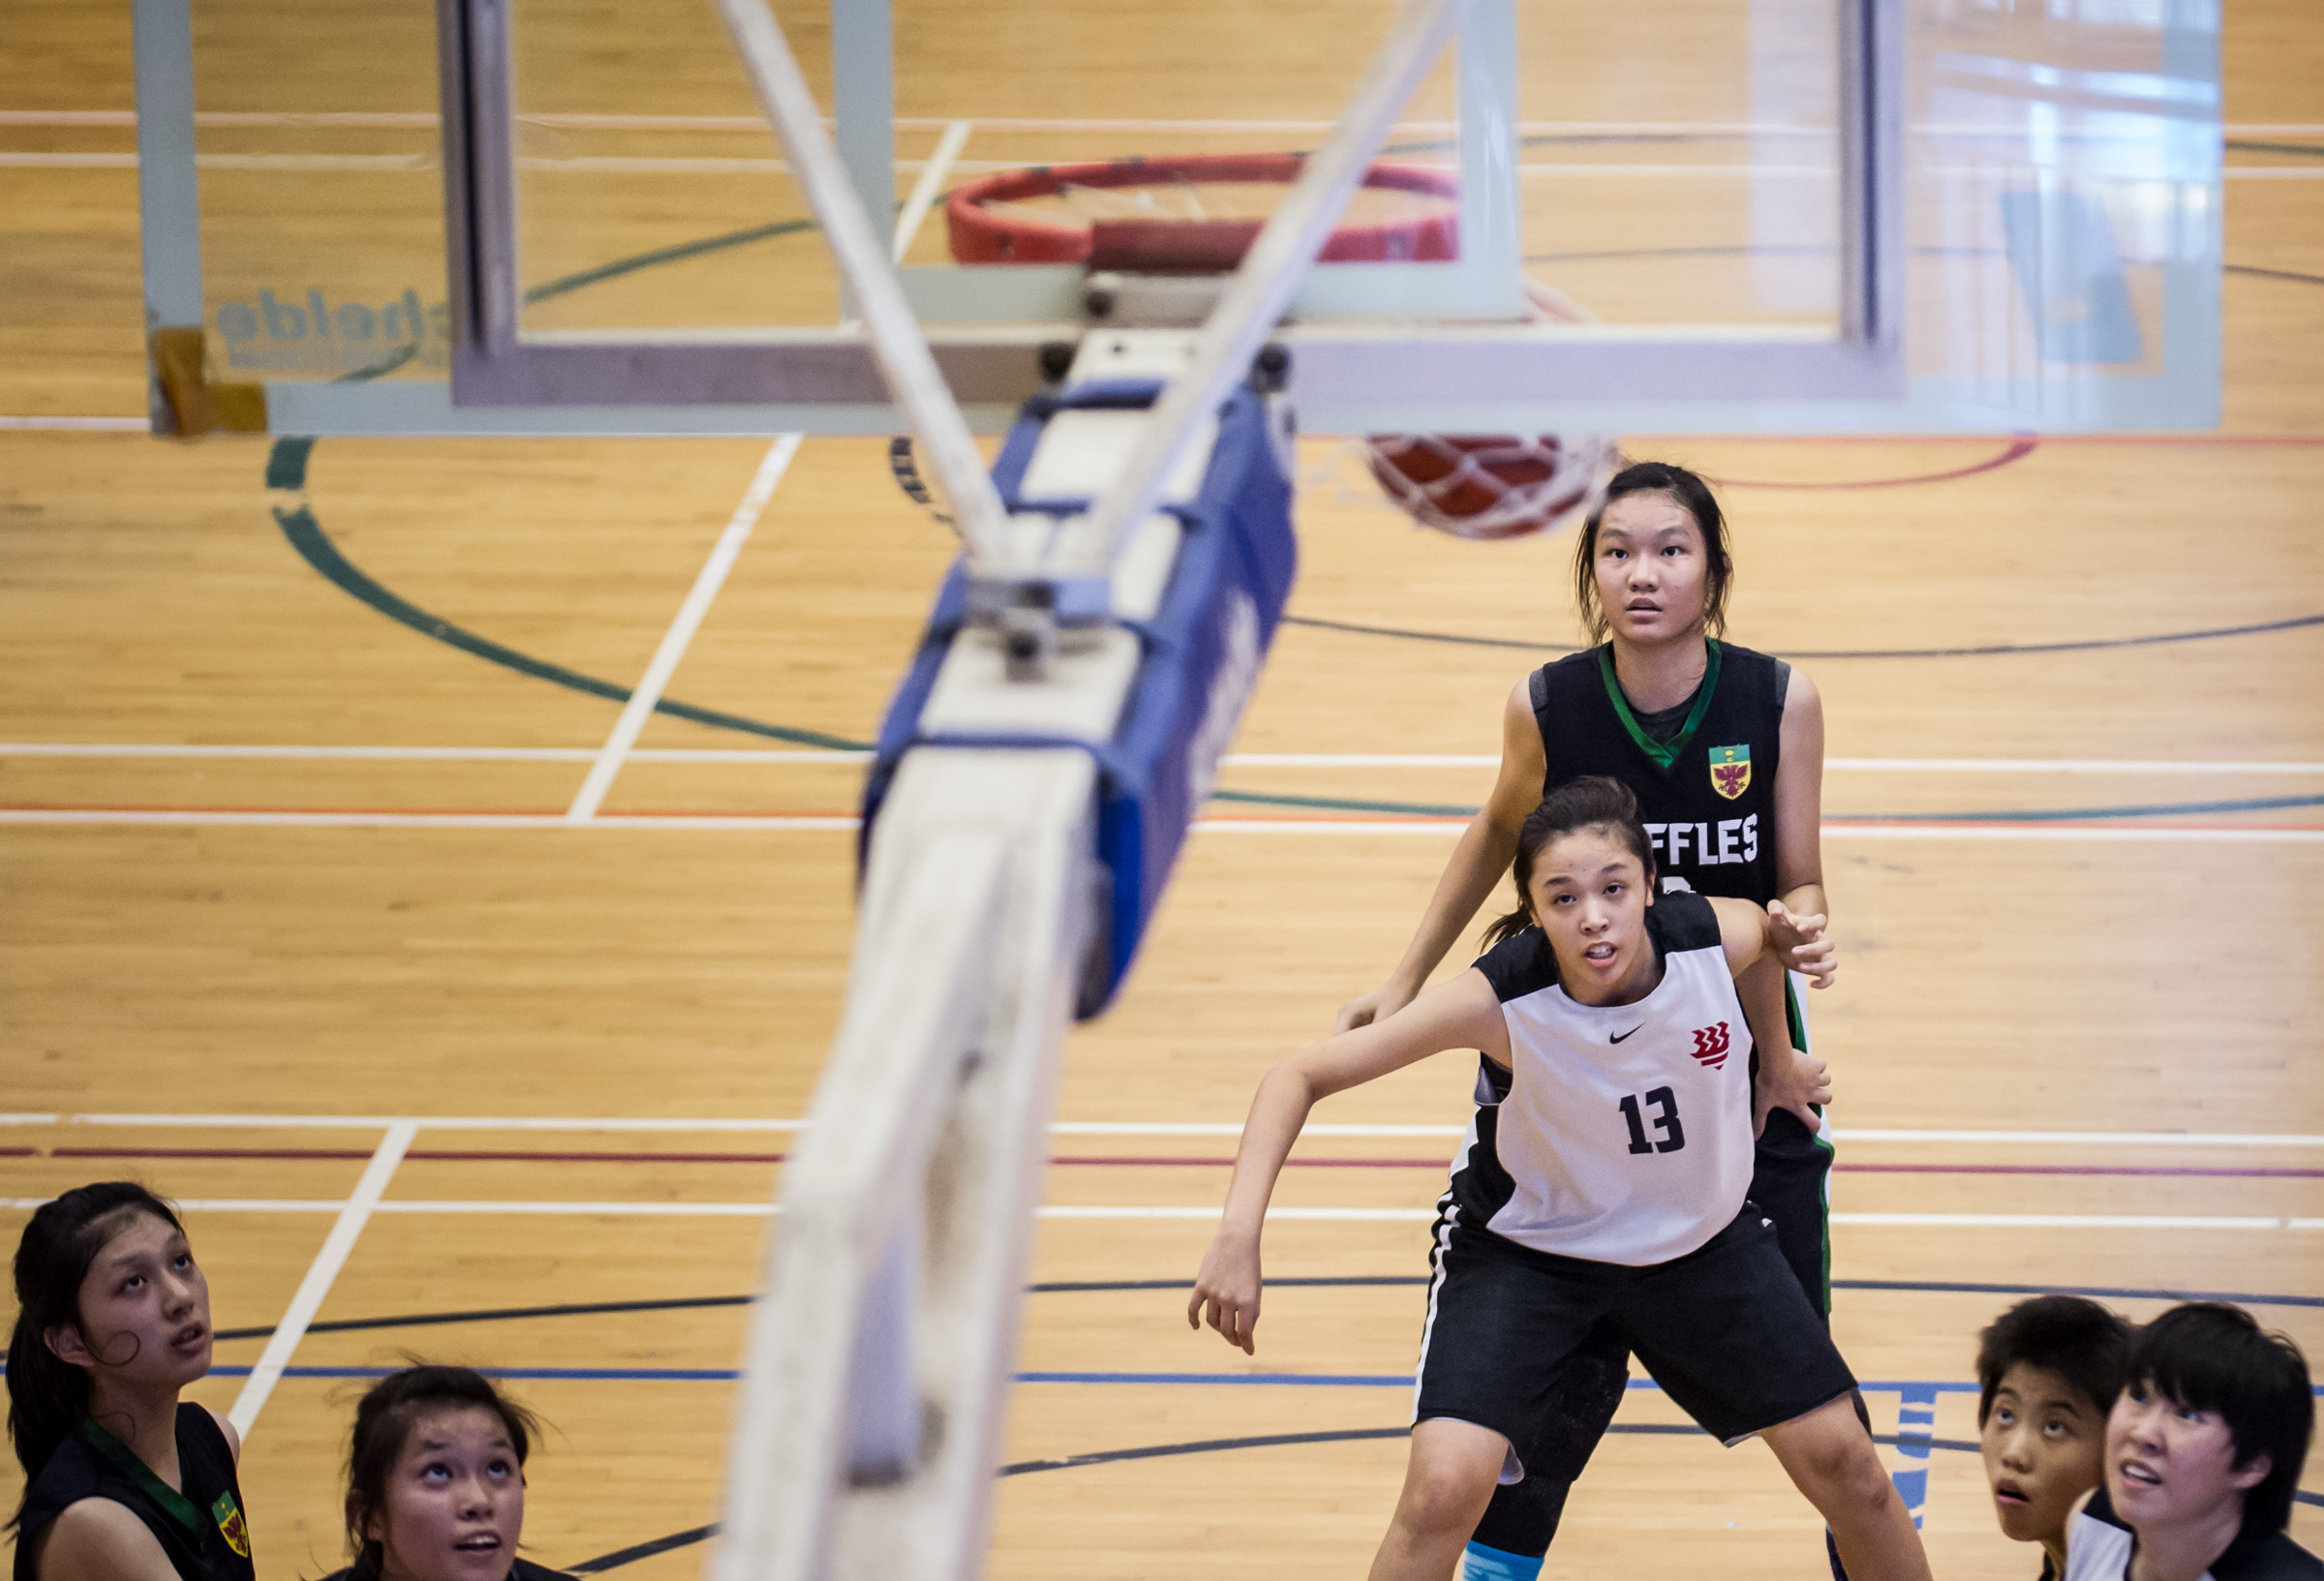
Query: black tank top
x=199, y=1524
x=522, y=1569
x=1707, y=798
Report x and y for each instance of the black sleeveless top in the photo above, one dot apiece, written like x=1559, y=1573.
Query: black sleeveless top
x=523, y=1570
x=201, y=1528
x=1707, y=797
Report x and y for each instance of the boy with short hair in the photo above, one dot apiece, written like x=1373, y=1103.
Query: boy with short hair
x=2048, y=1372
x=2203, y=1454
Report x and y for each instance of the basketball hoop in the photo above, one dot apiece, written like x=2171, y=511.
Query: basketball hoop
x=1197, y=214
x=1164, y=215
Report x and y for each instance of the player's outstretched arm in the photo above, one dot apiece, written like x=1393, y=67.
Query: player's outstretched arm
x=1484, y=854
x=1750, y=934
x=1463, y=1014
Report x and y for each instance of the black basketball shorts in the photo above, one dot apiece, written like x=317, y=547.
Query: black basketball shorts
x=1725, y=1330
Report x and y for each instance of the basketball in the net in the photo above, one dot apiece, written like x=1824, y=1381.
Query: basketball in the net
x=1492, y=486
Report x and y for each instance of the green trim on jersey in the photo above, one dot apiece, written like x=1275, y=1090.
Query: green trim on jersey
x=1663, y=755
x=1795, y=1018
x=180, y=1509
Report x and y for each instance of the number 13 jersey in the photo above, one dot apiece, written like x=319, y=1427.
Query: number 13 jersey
x=1621, y=1132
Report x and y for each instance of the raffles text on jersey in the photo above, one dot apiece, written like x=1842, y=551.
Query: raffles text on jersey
x=1708, y=796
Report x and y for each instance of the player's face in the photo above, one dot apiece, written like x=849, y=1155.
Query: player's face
x=2042, y=1442
x=1651, y=568
x=2167, y=1462
x=144, y=1311
x=1590, y=896
x=455, y=1501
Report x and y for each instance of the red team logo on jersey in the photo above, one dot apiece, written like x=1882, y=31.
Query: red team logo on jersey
x=1730, y=771
x=1710, y=1045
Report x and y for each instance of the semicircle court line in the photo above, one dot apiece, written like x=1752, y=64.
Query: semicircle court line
x=2020, y=447
x=285, y=470
x=621, y=1556
x=1985, y=650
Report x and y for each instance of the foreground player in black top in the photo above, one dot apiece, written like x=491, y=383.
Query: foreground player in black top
x=124, y=1482
x=1723, y=748
x=435, y=1481
x=2203, y=1454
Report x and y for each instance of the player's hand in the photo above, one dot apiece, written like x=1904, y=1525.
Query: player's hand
x=1798, y=942
x=1365, y=1009
x=1793, y=1084
x=1226, y=1291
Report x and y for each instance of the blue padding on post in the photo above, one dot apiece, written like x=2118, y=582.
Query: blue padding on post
x=1203, y=652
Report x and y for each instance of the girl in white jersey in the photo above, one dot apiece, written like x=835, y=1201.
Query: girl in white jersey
x=1605, y=1191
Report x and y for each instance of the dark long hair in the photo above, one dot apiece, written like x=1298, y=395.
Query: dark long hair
x=2213, y=1356
x=1592, y=801
x=384, y=1422
x=47, y=1394
x=1694, y=496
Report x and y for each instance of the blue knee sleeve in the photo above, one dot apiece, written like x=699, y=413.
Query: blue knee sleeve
x=1478, y=1562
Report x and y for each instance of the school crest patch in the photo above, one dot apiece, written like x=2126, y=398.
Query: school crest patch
x=230, y=1525
x=1730, y=771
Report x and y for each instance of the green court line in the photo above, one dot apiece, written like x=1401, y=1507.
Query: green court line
x=564, y=283
x=285, y=469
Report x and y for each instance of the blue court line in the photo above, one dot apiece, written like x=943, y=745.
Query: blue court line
x=729, y=1375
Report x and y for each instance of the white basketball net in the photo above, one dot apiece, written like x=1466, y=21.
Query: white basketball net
x=1573, y=474
x=1573, y=468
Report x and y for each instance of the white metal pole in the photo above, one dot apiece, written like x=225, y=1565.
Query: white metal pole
x=912, y=374
x=1254, y=301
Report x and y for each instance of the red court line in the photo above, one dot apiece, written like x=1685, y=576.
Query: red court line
x=476, y=1155
x=2020, y=447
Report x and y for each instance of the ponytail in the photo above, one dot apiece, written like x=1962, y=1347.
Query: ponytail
x=1592, y=801
x=47, y=1394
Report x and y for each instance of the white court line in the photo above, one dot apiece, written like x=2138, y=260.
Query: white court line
x=428, y=754
x=228, y=162
x=646, y=1210
x=1246, y=760
x=713, y=576
x=97, y=425
x=2073, y=831
x=922, y=123
x=1436, y=828
x=926, y=190
x=2068, y=1221
x=1190, y=1213
x=1102, y=1128
x=713, y=165
x=222, y=1204
x=413, y=820
x=353, y=1214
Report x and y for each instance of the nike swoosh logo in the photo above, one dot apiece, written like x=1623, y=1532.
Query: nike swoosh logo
x=1618, y=1037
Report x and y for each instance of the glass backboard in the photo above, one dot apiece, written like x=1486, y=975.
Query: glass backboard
x=1659, y=216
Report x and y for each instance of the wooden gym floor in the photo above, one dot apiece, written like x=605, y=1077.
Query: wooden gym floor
x=599, y=1028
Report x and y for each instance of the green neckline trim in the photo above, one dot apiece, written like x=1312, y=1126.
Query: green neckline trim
x=1663, y=755
x=180, y=1508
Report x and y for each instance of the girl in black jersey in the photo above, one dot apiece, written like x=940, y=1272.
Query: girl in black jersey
x=124, y=1481
x=1723, y=748
x=1603, y=1193
x=435, y=1481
